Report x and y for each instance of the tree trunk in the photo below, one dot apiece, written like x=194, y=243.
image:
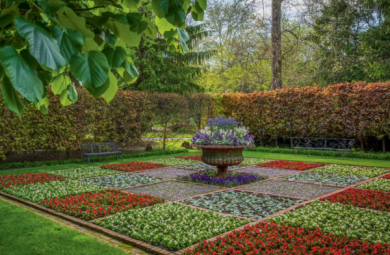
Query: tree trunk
x=165, y=136
x=362, y=144
x=384, y=144
x=276, y=35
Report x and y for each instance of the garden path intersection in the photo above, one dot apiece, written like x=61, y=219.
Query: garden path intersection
x=178, y=206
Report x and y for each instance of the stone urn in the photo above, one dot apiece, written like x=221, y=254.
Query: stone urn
x=222, y=156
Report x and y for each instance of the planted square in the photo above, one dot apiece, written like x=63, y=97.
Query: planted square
x=350, y=170
x=340, y=220
x=36, y=192
x=378, y=184
x=254, y=161
x=92, y=205
x=290, y=189
x=169, y=172
x=267, y=172
x=230, y=180
x=83, y=172
x=244, y=204
x=172, y=226
x=331, y=179
x=194, y=157
x=10, y=180
x=293, y=165
x=172, y=161
x=121, y=180
x=364, y=198
x=173, y=190
x=254, y=239
x=132, y=166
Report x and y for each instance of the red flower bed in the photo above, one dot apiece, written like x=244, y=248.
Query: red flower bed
x=386, y=176
x=131, y=166
x=27, y=178
x=195, y=157
x=372, y=199
x=292, y=165
x=92, y=205
x=271, y=238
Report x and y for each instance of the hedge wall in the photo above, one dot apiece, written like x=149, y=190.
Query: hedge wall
x=66, y=128
x=357, y=110
x=350, y=110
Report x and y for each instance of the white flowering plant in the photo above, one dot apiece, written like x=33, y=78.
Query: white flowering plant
x=223, y=131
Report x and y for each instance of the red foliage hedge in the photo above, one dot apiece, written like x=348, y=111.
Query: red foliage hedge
x=92, y=205
x=271, y=238
x=292, y=165
x=27, y=178
x=343, y=110
x=194, y=157
x=372, y=199
x=132, y=166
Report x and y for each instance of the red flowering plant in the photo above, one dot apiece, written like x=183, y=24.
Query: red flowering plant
x=92, y=205
x=271, y=238
x=386, y=176
x=27, y=178
x=365, y=198
x=292, y=165
x=131, y=166
x=194, y=157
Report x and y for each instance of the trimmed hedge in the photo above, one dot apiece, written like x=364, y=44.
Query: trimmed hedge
x=92, y=159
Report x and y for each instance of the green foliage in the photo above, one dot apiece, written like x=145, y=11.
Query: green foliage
x=85, y=41
x=352, y=40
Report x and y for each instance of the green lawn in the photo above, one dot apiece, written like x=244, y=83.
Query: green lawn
x=23, y=232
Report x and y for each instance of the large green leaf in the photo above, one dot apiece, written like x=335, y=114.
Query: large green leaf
x=42, y=45
x=23, y=78
x=71, y=20
x=164, y=26
x=123, y=32
x=109, y=94
x=131, y=4
x=10, y=97
x=59, y=84
x=72, y=93
x=43, y=105
x=115, y=57
x=91, y=69
x=69, y=43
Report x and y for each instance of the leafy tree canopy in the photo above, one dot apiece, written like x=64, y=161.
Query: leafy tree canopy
x=59, y=43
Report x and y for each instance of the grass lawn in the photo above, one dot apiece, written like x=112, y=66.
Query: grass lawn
x=24, y=232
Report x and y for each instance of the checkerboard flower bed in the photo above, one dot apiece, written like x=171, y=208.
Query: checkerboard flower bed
x=271, y=238
x=37, y=192
x=194, y=157
x=244, y=204
x=92, y=205
x=121, y=180
x=7, y=181
x=232, y=179
x=83, y=172
x=172, y=161
x=340, y=220
x=290, y=189
x=386, y=177
x=292, y=165
x=350, y=170
x=372, y=199
x=173, y=190
x=132, y=166
x=330, y=179
x=378, y=184
x=172, y=226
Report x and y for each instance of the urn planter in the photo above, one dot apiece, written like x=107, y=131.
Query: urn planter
x=222, y=156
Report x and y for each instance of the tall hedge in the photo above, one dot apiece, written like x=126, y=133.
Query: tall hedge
x=66, y=128
x=354, y=110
